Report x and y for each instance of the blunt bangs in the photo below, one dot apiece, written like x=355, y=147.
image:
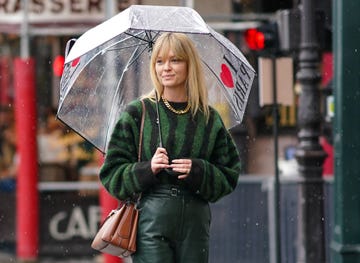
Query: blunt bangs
x=170, y=42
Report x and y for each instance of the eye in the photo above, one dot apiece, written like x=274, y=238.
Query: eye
x=159, y=61
x=175, y=60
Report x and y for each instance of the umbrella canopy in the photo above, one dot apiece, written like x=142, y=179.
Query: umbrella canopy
x=108, y=66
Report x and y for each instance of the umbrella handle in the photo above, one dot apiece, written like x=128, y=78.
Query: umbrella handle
x=158, y=120
x=169, y=171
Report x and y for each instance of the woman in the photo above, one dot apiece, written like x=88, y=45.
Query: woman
x=175, y=216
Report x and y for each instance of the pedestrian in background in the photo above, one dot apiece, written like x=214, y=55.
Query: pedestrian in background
x=8, y=154
x=198, y=163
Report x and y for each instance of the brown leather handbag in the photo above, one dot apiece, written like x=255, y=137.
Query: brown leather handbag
x=117, y=234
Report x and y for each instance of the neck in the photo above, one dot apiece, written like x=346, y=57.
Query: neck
x=175, y=95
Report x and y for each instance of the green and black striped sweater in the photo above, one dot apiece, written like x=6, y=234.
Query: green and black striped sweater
x=215, y=159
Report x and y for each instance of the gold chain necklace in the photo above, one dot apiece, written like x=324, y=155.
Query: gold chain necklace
x=167, y=104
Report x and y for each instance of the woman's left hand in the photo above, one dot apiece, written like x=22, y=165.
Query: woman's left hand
x=182, y=166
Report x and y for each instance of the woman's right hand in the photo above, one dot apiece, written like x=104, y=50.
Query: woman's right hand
x=160, y=160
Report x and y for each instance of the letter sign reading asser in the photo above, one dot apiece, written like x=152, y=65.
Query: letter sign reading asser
x=49, y=11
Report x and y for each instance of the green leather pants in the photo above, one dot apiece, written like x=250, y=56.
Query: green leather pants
x=173, y=227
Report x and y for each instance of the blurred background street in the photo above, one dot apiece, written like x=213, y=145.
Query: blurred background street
x=297, y=182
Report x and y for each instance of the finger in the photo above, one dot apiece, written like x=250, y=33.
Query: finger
x=182, y=170
x=160, y=150
x=183, y=176
x=161, y=162
x=160, y=156
x=183, y=161
x=181, y=166
x=164, y=159
x=161, y=166
x=157, y=167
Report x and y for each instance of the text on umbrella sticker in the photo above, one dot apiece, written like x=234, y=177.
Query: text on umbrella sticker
x=242, y=82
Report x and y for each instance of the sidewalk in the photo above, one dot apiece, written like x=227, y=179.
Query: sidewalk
x=10, y=258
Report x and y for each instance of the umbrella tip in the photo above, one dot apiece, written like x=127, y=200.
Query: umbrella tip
x=69, y=45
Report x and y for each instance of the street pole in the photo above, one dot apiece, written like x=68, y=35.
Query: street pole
x=187, y=3
x=27, y=195
x=106, y=201
x=309, y=154
x=276, y=161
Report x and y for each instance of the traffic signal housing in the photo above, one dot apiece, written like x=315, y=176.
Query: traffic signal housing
x=263, y=38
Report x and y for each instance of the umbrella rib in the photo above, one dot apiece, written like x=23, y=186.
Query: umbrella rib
x=140, y=38
x=130, y=46
x=151, y=38
x=148, y=41
x=134, y=58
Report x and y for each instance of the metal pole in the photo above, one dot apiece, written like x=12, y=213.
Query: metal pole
x=187, y=3
x=309, y=154
x=109, y=8
x=276, y=160
x=27, y=195
x=107, y=202
x=24, y=40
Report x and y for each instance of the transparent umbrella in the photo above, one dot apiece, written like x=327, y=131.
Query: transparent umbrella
x=108, y=66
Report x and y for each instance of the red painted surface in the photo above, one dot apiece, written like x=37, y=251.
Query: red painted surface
x=107, y=203
x=27, y=196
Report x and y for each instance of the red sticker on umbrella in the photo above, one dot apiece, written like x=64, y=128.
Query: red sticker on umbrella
x=75, y=62
x=226, y=76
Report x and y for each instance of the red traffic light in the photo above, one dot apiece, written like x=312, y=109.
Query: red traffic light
x=254, y=39
x=262, y=38
x=58, y=65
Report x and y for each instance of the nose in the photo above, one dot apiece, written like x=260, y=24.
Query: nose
x=167, y=65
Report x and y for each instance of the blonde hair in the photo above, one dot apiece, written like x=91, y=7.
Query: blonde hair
x=184, y=49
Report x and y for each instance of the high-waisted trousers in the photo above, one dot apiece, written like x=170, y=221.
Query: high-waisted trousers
x=173, y=227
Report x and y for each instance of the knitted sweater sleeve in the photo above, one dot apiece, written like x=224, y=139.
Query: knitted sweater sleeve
x=121, y=174
x=217, y=176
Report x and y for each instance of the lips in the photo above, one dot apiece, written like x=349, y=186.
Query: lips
x=167, y=77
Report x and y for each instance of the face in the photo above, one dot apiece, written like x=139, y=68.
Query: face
x=171, y=71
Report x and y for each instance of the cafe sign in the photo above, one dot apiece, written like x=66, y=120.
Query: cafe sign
x=60, y=11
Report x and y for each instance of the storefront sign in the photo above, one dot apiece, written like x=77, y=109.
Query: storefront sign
x=59, y=11
x=68, y=223
x=77, y=223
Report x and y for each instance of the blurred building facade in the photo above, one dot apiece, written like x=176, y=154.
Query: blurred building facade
x=53, y=23
x=64, y=156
